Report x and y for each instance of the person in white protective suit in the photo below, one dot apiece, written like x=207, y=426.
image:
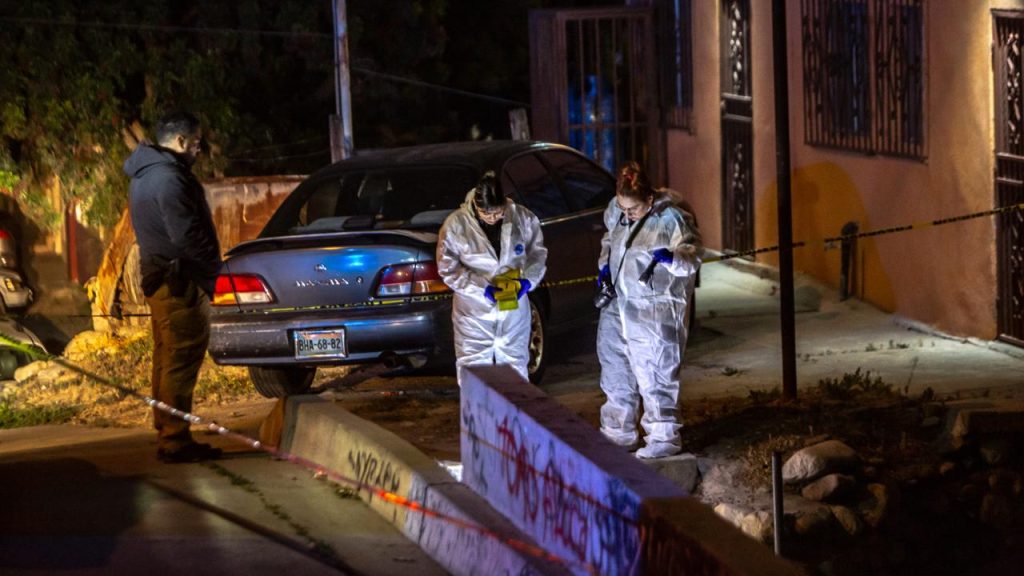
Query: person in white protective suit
x=487, y=237
x=642, y=330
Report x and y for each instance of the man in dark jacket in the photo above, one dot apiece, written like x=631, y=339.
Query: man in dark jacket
x=180, y=257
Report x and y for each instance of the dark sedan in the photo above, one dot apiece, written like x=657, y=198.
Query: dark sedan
x=344, y=271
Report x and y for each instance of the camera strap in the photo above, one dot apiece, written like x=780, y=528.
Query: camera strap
x=629, y=242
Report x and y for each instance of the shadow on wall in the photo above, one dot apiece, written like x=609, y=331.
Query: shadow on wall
x=824, y=199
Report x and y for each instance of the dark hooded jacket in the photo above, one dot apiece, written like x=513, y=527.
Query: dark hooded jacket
x=172, y=221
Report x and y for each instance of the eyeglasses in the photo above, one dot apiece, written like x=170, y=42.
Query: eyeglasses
x=490, y=213
x=634, y=210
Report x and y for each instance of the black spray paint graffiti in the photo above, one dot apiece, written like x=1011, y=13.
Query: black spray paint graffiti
x=370, y=470
x=476, y=461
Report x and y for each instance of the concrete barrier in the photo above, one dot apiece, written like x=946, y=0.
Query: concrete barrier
x=345, y=444
x=581, y=497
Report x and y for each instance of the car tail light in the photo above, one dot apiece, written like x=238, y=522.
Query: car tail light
x=240, y=289
x=410, y=279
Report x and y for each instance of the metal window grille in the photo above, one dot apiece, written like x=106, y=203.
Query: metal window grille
x=607, y=87
x=675, y=52
x=864, y=75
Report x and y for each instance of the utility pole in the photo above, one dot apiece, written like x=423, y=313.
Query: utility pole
x=787, y=308
x=341, y=120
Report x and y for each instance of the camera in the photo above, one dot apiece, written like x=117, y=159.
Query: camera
x=605, y=294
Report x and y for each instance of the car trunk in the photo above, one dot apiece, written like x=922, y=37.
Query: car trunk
x=327, y=270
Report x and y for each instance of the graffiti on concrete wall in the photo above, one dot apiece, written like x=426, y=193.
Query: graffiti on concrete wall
x=373, y=471
x=550, y=492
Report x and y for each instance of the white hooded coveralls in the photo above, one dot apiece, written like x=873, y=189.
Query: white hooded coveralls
x=467, y=263
x=642, y=332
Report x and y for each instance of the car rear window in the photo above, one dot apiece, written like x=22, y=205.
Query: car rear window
x=420, y=197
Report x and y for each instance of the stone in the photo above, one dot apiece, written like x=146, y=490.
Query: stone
x=682, y=469
x=830, y=487
x=29, y=371
x=995, y=451
x=1002, y=482
x=848, y=519
x=814, y=523
x=813, y=461
x=756, y=524
x=816, y=439
x=759, y=526
x=731, y=513
x=947, y=468
x=996, y=511
x=873, y=509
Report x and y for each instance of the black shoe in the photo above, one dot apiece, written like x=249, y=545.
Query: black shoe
x=194, y=452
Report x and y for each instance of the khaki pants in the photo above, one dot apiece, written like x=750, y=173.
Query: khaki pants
x=181, y=331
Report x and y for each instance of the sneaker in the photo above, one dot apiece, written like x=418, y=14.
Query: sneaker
x=194, y=452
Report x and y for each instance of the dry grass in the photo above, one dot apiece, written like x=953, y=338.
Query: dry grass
x=56, y=394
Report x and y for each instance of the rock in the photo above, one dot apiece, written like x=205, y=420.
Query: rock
x=756, y=524
x=681, y=469
x=1002, y=482
x=89, y=342
x=995, y=451
x=813, y=461
x=816, y=439
x=831, y=487
x=874, y=508
x=28, y=371
x=49, y=375
x=996, y=511
x=931, y=422
x=814, y=523
x=947, y=468
x=848, y=519
x=970, y=495
x=731, y=513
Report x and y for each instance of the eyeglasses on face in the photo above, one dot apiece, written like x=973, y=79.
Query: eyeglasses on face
x=497, y=212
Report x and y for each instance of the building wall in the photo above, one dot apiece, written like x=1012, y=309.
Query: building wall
x=944, y=276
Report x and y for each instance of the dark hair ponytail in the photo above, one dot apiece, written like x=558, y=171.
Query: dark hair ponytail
x=487, y=195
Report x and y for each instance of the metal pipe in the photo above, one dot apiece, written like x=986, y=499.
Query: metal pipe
x=777, y=501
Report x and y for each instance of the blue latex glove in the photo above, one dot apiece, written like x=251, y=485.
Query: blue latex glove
x=662, y=256
x=604, y=276
x=489, y=294
x=524, y=287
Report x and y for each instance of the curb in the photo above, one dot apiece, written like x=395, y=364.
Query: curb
x=320, y=431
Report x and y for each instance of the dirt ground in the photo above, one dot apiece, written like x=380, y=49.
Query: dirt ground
x=937, y=522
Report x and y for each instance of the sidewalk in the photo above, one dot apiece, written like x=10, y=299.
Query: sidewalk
x=738, y=345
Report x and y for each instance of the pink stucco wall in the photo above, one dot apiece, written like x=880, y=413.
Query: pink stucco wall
x=944, y=276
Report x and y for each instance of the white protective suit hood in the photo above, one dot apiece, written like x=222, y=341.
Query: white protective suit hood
x=467, y=263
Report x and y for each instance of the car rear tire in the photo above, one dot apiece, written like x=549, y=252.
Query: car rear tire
x=538, y=361
x=278, y=382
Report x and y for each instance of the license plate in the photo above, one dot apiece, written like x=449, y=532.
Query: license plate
x=320, y=343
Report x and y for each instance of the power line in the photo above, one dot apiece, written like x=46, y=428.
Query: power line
x=422, y=84
x=275, y=33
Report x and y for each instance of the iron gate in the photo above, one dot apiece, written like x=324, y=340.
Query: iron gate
x=737, y=128
x=1009, y=29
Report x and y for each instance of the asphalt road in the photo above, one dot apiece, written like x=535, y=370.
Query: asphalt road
x=96, y=501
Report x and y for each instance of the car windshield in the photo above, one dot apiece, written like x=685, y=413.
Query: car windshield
x=417, y=197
